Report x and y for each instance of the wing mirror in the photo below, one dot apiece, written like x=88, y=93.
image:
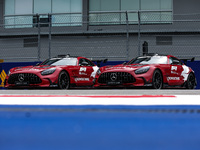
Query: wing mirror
x=37, y=64
x=124, y=63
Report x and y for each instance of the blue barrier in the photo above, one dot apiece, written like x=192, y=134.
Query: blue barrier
x=5, y=67
x=100, y=127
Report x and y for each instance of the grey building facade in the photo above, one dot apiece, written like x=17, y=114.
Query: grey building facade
x=32, y=30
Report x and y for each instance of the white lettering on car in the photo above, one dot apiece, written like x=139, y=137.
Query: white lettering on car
x=173, y=72
x=82, y=79
x=173, y=78
x=174, y=68
x=83, y=69
x=82, y=73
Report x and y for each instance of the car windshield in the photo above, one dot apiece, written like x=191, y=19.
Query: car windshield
x=149, y=60
x=60, y=62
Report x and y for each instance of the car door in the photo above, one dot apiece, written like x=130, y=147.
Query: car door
x=87, y=72
x=175, y=76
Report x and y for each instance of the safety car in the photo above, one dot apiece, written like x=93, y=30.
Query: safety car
x=63, y=71
x=153, y=70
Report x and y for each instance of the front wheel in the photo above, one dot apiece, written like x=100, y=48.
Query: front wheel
x=157, y=80
x=191, y=81
x=63, y=80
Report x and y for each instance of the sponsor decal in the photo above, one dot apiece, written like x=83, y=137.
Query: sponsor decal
x=2, y=77
x=82, y=73
x=173, y=72
x=173, y=78
x=82, y=79
x=84, y=69
x=174, y=68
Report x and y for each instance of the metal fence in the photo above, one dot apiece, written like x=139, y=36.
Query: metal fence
x=113, y=35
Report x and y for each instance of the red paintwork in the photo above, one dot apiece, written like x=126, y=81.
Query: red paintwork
x=73, y=71
x=166, y=70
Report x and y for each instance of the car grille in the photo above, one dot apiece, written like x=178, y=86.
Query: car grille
x=27, y=77
x=122, y=77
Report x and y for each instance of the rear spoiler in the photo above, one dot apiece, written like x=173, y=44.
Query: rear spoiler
x=187, y=59
x=99, y=61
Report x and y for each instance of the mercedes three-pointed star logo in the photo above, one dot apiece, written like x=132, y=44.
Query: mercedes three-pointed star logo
x=21, y=77
x=113, y=76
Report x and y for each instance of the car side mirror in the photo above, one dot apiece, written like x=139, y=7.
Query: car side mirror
x=37, y=64
x=124, y=63
x=84, y=63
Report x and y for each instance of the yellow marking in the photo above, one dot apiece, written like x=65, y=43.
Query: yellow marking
x=3, y=77
x=4, y=74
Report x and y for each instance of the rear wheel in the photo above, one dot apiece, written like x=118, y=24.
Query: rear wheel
x=191, y=81
x=157, y=80
x=63, y=80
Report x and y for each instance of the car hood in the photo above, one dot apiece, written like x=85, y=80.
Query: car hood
x=30, y=69
x=122, y=67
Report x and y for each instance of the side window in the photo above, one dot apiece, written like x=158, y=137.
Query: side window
x=173, y=60
x=84, y=62
x=89, y=62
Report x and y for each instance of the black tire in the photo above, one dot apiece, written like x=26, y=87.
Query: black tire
x=157, y=80
x=191, y=81
x=63, y=80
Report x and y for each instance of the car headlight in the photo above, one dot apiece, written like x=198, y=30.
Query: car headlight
x=98, y=72
x=8, y=73
x=142, y=70
x=48, y=71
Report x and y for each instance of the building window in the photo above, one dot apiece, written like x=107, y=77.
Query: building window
x=157, y=11
x=164, y=40
x=73, y=16
x=16, y=7
x=113, y=11
x=18, y=16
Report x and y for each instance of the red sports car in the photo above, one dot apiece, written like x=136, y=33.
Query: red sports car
x=153, y=70
x=62, y=72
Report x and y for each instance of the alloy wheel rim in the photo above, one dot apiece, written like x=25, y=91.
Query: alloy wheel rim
x=157, y=81
x=64, y=81
x=191, y=82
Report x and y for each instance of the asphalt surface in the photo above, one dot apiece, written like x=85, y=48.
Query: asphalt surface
x=100, y=92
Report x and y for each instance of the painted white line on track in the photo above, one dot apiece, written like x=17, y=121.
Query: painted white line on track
x=134, y=100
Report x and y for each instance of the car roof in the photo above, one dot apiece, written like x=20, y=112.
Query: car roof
x=68, y=56
x=65, y=56
x=153, y=54
x=156, y=54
